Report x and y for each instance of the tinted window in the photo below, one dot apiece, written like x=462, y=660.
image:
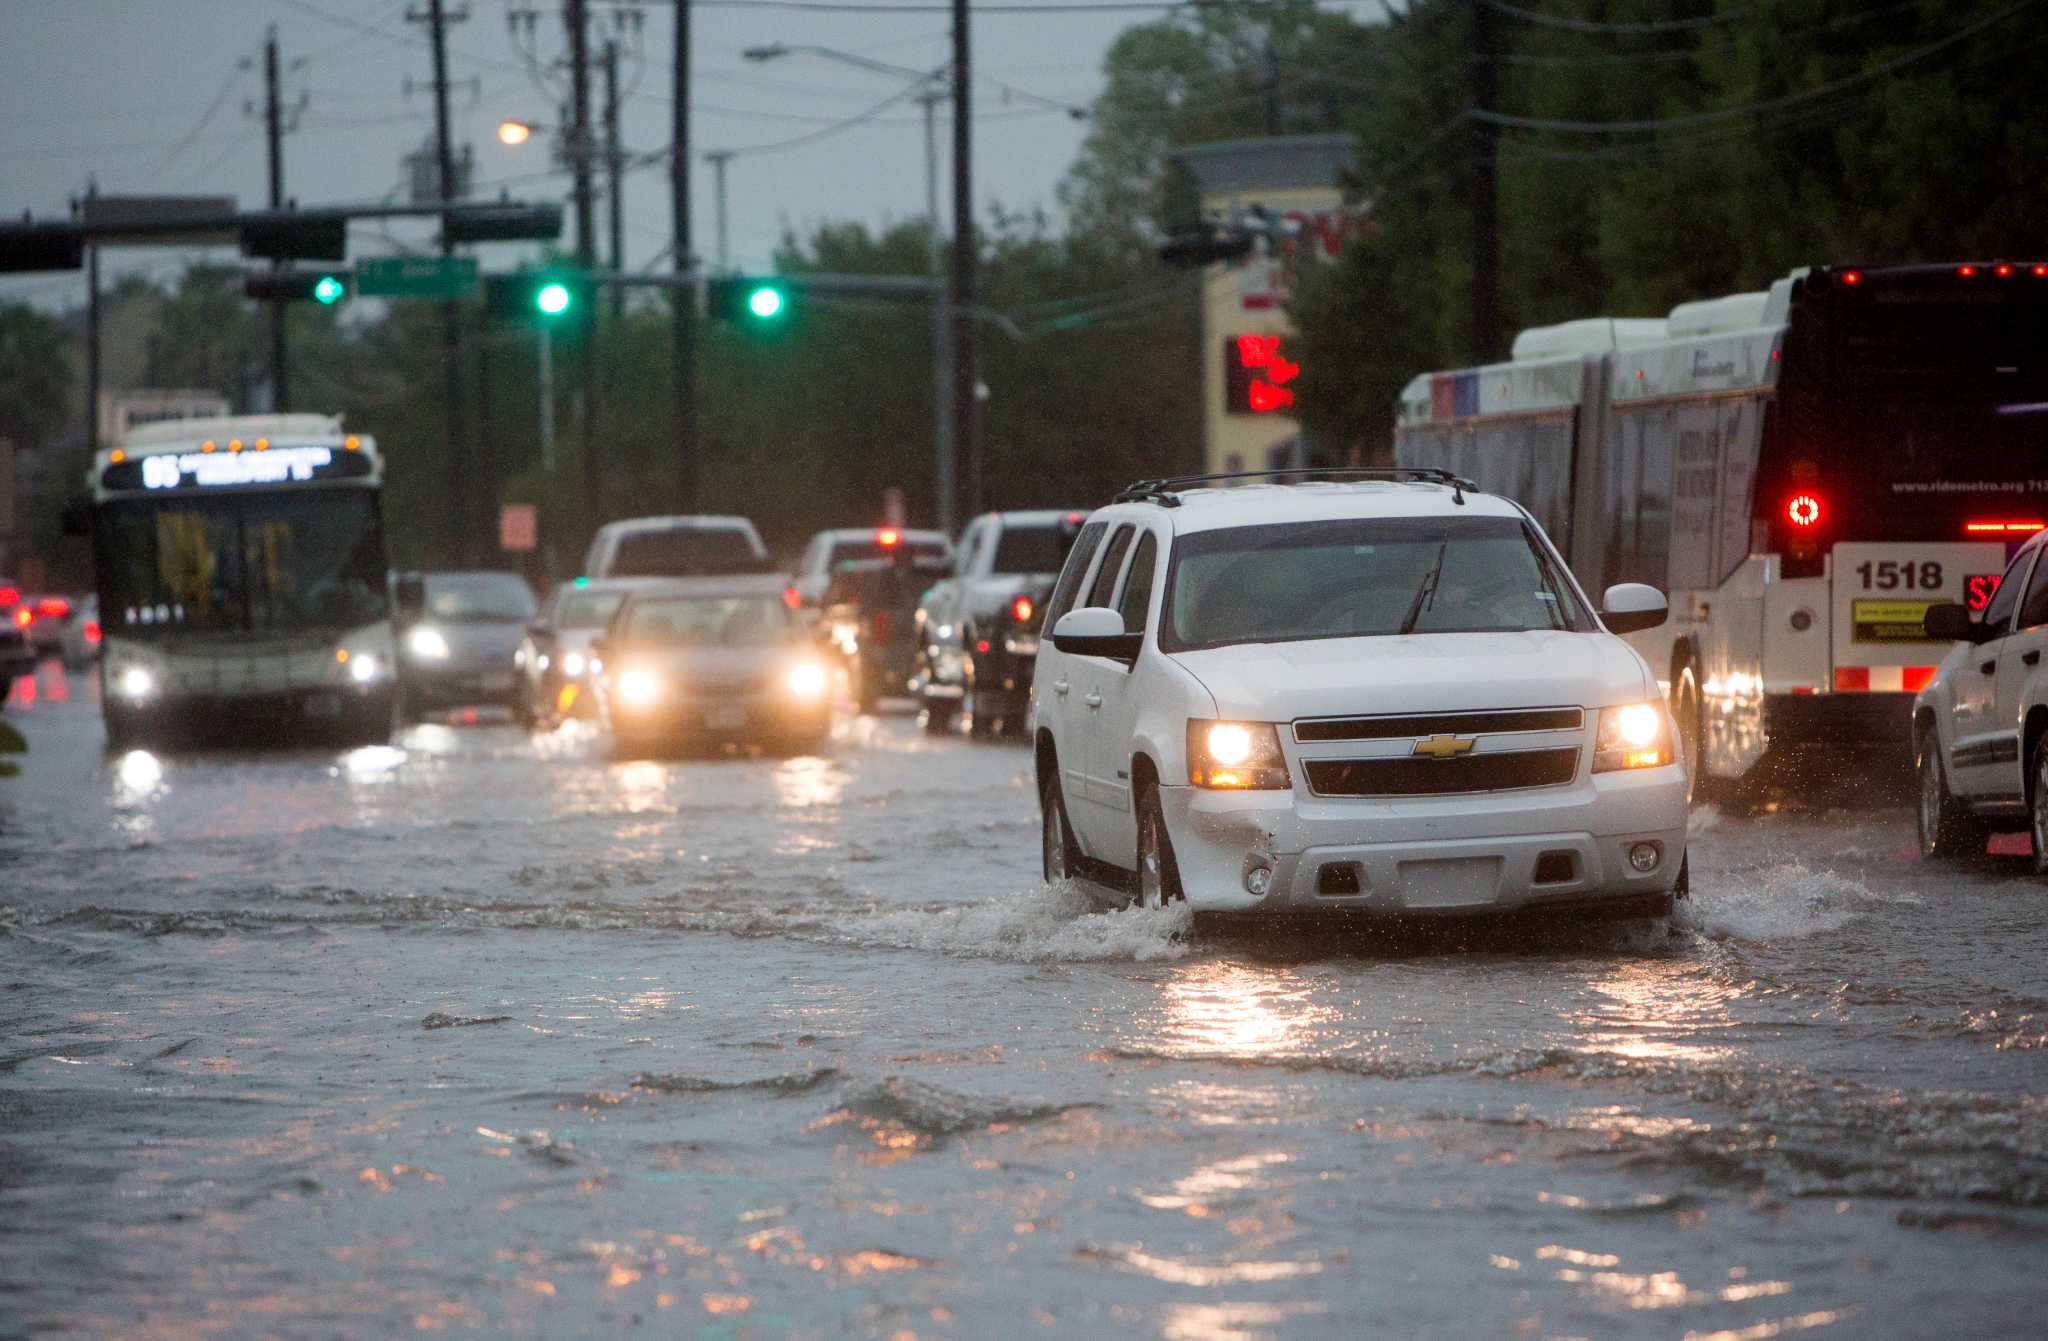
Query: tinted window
x=587, y=609
x=1105, y=576
x=1998, y=614
x=1076, y=568
x=2035, y=612
x=1030, y=549
x=479, y=596
x=708, y=620
x=1350, y=579
x=683, y=552
x=1137, y=595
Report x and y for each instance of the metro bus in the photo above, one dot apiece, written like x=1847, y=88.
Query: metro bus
x=243, y=583
x=1804, y=471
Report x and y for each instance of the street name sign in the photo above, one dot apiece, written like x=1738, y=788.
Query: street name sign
x=416, y=276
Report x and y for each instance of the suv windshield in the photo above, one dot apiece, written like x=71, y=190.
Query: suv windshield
x=726, y=620
x=487, y=597
x=684, y=551
x=1362, y=578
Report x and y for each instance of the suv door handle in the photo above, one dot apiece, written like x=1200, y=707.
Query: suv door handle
x=1093, y=700
x=1988, y=667
x=1061, y=687
x=2032, y=658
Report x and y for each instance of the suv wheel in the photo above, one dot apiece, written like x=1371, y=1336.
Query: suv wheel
x=1158, y=873
x=1685, y=708
x=2037, y=807
x=1948, y=831
x=1056, y=843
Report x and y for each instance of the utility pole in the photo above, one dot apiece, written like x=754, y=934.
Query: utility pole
x=92, y=336
x=457, y=482
x=683, y=309
x=961, y=297
x=580, y=156
x=945, y=490
x=1485, y=211
x=718, y=158
x=273, y=128
x=615, y=170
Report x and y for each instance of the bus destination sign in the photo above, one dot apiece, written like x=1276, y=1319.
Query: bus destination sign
x=219, y=469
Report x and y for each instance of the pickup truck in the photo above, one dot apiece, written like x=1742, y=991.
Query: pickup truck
x=977, y=628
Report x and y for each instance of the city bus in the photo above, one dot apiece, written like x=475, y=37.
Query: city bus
x=1803, y=470
x=243, y=583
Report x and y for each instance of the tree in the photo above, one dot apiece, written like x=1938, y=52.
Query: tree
x=35, y=376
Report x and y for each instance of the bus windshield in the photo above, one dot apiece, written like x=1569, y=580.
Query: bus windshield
x=1365, y=578
x=269, y=562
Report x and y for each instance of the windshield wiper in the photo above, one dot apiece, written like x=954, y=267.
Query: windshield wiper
x=1427, y=589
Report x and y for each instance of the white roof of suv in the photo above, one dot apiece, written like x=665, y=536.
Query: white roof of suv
x=1206, y=509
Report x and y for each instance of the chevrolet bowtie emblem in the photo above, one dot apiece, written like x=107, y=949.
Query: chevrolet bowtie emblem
x=1445, y=747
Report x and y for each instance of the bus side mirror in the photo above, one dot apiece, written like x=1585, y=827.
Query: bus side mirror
x=1951, y=623
x=1631, y=607
x=77, y=515
x=411, y=594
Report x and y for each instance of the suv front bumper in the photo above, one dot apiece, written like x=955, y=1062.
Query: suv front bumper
x=1490, y=853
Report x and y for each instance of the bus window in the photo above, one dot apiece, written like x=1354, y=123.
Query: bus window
x=1695, y=488
x=1741, y=430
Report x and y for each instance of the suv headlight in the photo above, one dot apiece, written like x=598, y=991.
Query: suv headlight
x=1633, y=735
x=427, y=644
x=1236, y=756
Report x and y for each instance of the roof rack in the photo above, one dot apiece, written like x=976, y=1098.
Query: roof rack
x=1166, y=492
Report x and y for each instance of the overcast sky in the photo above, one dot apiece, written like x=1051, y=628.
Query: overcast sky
x=148, y=96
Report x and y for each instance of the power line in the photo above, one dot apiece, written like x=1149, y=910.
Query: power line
x=1539, y=20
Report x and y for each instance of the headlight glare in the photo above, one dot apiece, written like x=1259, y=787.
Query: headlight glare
x=572, y=664
x=638, y=687
x=1236, y=756
x=806, y=679
x=1633, y=735
x=427, y=644
x=138, y=682
x=363, y=668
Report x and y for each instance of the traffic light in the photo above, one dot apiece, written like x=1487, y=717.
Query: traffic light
x=503, y=223
x=551, y=296
x=326, y=287
x=749, y=300
x=1205, y=245
x=26, y=247
x=285, y=236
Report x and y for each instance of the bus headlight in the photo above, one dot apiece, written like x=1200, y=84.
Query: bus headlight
x=572, y=664
x=1236, y=756
x=363, y=668
x=1634, y=735
x=138, y=683
x=427, y=644
x=638, y=687
x=806, y=679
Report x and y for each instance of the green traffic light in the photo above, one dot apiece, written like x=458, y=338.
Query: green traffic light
x=553, y=299
x=765, y=302
x=328, y=289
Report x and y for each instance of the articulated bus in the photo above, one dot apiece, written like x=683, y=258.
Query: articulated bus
x=1805, y=471
x=242, y=583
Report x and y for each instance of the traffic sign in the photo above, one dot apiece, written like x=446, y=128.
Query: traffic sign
x=518, y=527
x=416, y=276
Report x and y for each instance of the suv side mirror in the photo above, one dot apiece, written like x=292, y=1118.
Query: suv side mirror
x=1630, y=607
x=410, y=594
x=1096, y=631
x=1952, y=623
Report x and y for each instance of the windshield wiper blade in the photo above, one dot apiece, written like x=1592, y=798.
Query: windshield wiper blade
x=1426, y=590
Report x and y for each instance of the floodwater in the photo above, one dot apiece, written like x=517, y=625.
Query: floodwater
x=482, y=1034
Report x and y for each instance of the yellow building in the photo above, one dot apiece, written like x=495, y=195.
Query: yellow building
x=1286, y=191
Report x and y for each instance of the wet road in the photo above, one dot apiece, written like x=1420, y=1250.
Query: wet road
x=483, y=1034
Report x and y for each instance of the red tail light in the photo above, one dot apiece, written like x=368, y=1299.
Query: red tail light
x=10, y=595
x=2002, y=270
x=1803, y=510
x=1966, y=271
x=1021, y=608
x=92, y=631
x=791, y=597
x=888, y=537
x=24, y=616
x=2004, y=527
x=52, y=607
x=1852, y=276
x=981, y=645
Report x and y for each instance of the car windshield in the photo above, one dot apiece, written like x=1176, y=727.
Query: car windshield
x=922, y=553
x=684, y=551
x=273, y=562
x=582, y=609
x=1032, y=549
x=1362, y=578
x=716, y=620
x=479, y=597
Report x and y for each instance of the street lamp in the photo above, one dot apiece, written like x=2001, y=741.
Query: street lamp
x=515, y=133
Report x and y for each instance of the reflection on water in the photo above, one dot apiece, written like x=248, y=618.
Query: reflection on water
x=1231, y=1322
x=138, y=775
x=1657, y=1011
x=809, y=781
x=372, y=763
x=1197, y=1193
x=1235, y=1010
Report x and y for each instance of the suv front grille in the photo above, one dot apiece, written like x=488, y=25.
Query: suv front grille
x=1440, y=777
x=1440, y=723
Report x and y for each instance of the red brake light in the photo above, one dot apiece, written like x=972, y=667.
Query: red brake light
x=1021, y=608
x=1852, y=276
x=2004, y=527
x=791, y=597
x=2002, y=270
x=1966, y=271
x=888, y=537
x=92, y=631
x=2041, y=272
x=24, y=616
x=10, y=595
x=53, y=607
x=1803, y=510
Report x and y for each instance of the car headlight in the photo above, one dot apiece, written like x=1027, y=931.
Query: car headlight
x=806, y=679
x=1633, y=735
x=572, y=664
x=427, y=644
x=639, y=687
x=1236, y=756
x=363, y=668
x=138, y=682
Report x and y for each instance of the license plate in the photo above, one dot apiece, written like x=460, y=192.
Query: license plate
x=725, y=718
x=321, y=705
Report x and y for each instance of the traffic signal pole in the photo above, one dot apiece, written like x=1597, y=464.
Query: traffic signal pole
x=961, y=299
x=581, y=153
x=466, y=540
x=683, y=302
x=273, y=128
x=944, y=489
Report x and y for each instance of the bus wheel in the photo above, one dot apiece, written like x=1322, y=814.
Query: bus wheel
x=1685, y=709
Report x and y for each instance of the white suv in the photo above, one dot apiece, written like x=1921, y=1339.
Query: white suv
x=1385, y=693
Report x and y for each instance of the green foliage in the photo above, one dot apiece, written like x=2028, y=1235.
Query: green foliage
x=11, y=742
x=35, y=378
